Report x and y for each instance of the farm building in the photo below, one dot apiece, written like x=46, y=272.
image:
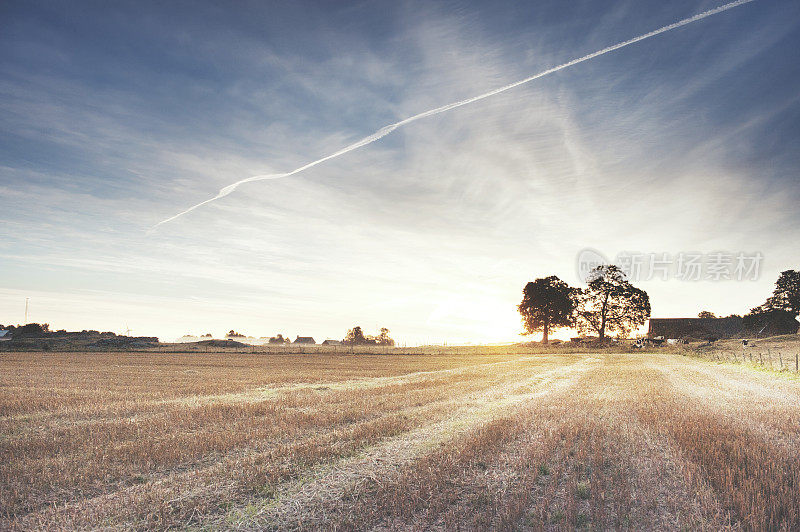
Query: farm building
x=730, y=327
x=700, y=328
x=772, y=323
x=332, y=342
x=304, y=340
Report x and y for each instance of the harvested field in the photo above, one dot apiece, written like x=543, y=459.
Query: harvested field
x=334, y=441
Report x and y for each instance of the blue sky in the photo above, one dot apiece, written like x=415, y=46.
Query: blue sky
x=114, y=117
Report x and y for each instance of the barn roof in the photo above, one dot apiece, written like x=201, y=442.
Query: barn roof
x=696, y=327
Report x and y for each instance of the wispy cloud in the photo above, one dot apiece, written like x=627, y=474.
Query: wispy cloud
x=385, y=130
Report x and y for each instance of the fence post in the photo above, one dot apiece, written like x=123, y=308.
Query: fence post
x=796, y=365
x=780, y=357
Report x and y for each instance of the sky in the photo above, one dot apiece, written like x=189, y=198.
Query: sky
x=117, y=116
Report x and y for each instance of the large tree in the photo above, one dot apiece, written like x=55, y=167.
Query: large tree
x=611, y=303
x=786, y=295
x=547, y=303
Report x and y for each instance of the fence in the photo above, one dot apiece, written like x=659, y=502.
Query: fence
x=776, y=361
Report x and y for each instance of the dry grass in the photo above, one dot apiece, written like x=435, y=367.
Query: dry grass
x=776, y=353
x=449, y=441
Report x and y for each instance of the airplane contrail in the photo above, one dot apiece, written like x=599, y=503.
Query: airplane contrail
x=382, y=132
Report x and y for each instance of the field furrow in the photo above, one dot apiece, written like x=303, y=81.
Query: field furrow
x=639, y=441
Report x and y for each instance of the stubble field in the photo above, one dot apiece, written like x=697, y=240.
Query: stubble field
x=336, y=441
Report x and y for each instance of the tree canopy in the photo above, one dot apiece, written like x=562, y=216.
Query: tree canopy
x=384, y=338
x=786, y=295
x=611, y=303
x=279, y=339
x=547, y=303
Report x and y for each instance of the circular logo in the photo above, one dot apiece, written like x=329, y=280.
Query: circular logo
x=587, y=260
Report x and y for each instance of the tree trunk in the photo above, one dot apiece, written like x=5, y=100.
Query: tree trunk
x=546, y=331
x=603, y=319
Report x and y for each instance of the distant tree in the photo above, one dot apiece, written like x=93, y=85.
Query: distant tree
x=355, y=336
x=786, y=295
x=384, y=338
x=706, y=314
x=611, y=303
x=279, y=339
x=234, y=334
x=547, y=303
x=31, y=330
x=207, y=335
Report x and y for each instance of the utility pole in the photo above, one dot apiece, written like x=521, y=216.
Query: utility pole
x=26, y=310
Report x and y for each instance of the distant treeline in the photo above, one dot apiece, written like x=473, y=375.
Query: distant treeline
x=355, y=336
x=42, y=330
